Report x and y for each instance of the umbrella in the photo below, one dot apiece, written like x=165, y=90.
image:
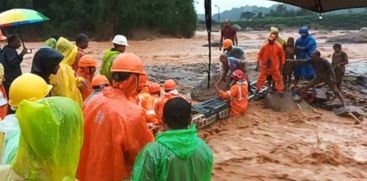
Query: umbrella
x=16, y=17
x=321, y=6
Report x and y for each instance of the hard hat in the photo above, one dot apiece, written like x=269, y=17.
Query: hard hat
x=143, y=80
x=28, y=86
x=238, y=75
x=274, y=30
x=87, y=61
x=227, y=43
x=99, y=80
x=169, y=84
x=129, y=63
x=2, y=37
x=271, y=37
x=120, y=40
x=154, y=88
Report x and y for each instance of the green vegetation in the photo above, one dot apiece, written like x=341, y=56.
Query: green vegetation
x=331, y=22
x=102, y=19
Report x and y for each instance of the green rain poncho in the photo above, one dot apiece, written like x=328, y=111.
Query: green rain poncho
x=177, y=155
x=107, y=62
x=50, y=141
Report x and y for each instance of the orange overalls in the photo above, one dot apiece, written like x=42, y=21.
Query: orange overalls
x=270, y=57
x=238, y=97
x=152, y=109
x=143, y=97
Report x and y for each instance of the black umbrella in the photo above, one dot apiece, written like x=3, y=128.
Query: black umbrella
x=322, y=6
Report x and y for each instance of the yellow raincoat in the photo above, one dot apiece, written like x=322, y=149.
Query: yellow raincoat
x=50, y=141
x=64, y=82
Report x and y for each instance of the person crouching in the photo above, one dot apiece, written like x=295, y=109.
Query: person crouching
x=237, y=94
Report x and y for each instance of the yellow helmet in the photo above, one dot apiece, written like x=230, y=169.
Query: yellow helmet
x=28, y=86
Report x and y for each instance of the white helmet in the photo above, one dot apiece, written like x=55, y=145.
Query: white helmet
x=120, y=40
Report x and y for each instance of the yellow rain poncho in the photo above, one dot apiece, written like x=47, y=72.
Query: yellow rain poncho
x=64, y=82
x=50, y=141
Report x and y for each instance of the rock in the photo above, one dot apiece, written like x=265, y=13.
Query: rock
x=359, y=37
x=249, y=29
x=363, y=91
x=237, y=27
x=214, y=44
x=363, y=29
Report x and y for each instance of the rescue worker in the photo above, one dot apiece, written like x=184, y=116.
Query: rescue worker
x=51, y=43
x=290, y=51
x=231, y=60
x=4, y=108
x=51, y=135
x=26, y=87
x=152, y=103
x=237, y=94
x=99, y=82
x=339, y=60
x=170, y=92
x=11, y=60
x=86, y=69
x=281, y=41
x=270, y=56
x=46, y=62
x=143, y=91
x=115, y=129
x=81, y=41
x=228, y=32
x=324, y=74
x=64, y=82
x=305, y=46
x=178, y=154
x=119, y=46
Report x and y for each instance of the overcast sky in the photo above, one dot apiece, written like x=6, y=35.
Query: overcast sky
x=229, y=4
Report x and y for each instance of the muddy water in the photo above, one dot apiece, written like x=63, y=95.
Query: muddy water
x=264, y=145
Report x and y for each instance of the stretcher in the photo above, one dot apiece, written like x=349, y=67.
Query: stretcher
x=216, y=109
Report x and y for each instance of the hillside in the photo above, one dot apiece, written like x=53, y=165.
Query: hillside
x=235, y=13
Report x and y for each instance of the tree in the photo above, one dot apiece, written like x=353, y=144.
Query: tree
x=248, y=15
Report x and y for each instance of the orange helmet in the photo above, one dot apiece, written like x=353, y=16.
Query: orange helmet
x=129, y=63
x=87, y=61
x=143, y=80
x=154, y=88
x=99, y=80
x=2, y=37
x=169, y=84
x=227, y=43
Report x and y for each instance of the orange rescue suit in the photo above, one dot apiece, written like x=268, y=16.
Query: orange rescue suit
x=152, y=109
x=238, y=97
x=114, y=133
x=270, y=58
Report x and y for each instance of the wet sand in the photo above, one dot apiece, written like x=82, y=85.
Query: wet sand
x=263, y=144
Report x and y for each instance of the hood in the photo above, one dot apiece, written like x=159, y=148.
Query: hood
x=66, y=48
x=51, y=42
x=51, y=138
x=45, y=62
x=303, y=30
x=181, y=142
